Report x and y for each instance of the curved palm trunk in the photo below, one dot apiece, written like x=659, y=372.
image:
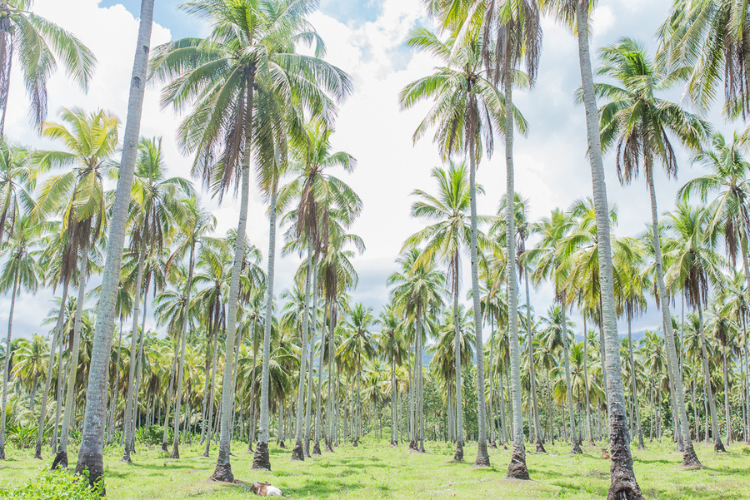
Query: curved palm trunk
x=90, y=455
x=483, y=458
x=50, y=365
x=6, y=368
x=61, y=458
x=459, y=454
x=128, y=423
x=181, y=368
x=623, y=482
x=261, y=459
x=532, y=374
x=298, y=452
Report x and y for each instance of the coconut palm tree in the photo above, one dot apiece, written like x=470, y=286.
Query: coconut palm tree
x=156, y=206
x=575, y=15
x=640, y=124
x=37, y=43
x=21, y=271
x=29, y=363
x=359, y=342
x=710, y=40
x=467, y=112
x=17, y=183
x=91, y=141
x=728, y=178
x=445, y=239
x=693, y=265
x=90, y=454
x=390, y=343
x=251, y=44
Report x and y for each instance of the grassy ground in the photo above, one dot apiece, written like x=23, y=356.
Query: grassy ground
x=375, y=470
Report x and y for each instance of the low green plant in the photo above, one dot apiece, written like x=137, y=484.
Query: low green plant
x=60, y=485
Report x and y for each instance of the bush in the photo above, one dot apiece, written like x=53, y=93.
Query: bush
x=59, y=485
x=152, y=435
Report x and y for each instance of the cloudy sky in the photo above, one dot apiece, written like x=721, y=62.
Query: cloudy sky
x=367, y=39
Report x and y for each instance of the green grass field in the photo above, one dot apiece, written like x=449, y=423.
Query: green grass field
x=375, y=470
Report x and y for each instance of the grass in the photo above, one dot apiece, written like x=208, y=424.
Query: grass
x=375, y=470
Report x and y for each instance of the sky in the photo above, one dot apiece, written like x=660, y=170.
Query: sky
x=367, y=38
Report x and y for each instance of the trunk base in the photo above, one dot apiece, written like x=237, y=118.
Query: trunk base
x=261, y=460
x=282, y=445
x=329, y=447
x=250, y=447
x=298, y=454
x=223, y=473
x=458, y=456
x=719, y=447
x=356, y=443
x=421, y=448
x=316, y=449
x=60, y=461
x=517, y=467
x=493, y=445
x=576, y=450
x=690, y=459
x=540, y=447
x=93, y=462
x=164, y=447
x=307, y=448
x=483, y=458
x=412, y=445
x=38, y=451
x=175, y=451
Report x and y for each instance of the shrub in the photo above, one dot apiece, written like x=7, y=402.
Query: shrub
x=60, y=485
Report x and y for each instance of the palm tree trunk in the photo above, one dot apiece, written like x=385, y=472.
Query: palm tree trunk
x=457, y=343
x=726, y=396
x=634, y=389
x=170, y=395
x=251, y=431
x=493, y=433
x=115, y=386
x=90, y=455
x=223, y=471
x=59, y=392
x=589, y=422
x=181, y=369
x=331, y=413
x=623, y=482
x=50, y=365
x=206, y=389
x=747, y=382
x=210, y=406
x=532, y=374
x=139, y=372
x=310, y=379
x=718, y=446
x=298, y=452
x=503, y=419
x=576, y=448
x=261, y=459
x=6, y=368
x=319, y=393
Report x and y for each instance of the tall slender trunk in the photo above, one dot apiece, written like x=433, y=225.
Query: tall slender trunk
x=483, y=458
x=576, y=448
x=6, y=368
x=492, y=379
x=168, y=402
x=589, y=422
x=61, y=458
x=718, y=445
x=223, y=471
x=139, y=370
x=532, y=373
x=56, y=337
x=181, y=369
x=115, y=388
x=331, y=413
x=261, y=459
x=319, y=392
x=634, y=387
x=310, y=379
x=726, y=396
x=251, y=431
x=623, y=482
x=212, y=389
x=90, y=455
x=459, y=454
x=298, y=452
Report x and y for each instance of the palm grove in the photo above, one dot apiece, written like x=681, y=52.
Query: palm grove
x=243, y=363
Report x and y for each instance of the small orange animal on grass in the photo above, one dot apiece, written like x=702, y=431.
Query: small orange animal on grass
x=605, y=454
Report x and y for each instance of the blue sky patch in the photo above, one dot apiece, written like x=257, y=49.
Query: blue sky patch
x=166, y=14
x=352, y=11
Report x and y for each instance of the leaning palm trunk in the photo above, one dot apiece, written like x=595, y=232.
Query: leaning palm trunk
x=50, y=365
x=90, y=455
x=589, y=422
x=483, y=458
x=576, y=445
x=261, y=459
x=331, y=413
x=532, y=374
x=689, y=458
x=298, y=452
x=623, y=483
x=318, y=405
x=115, y=389
x=634, y=389
x=128, y=423
x=139, y=372
x=61, y=458
x=6, y=368
x=223, y=471
x=181, y=369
